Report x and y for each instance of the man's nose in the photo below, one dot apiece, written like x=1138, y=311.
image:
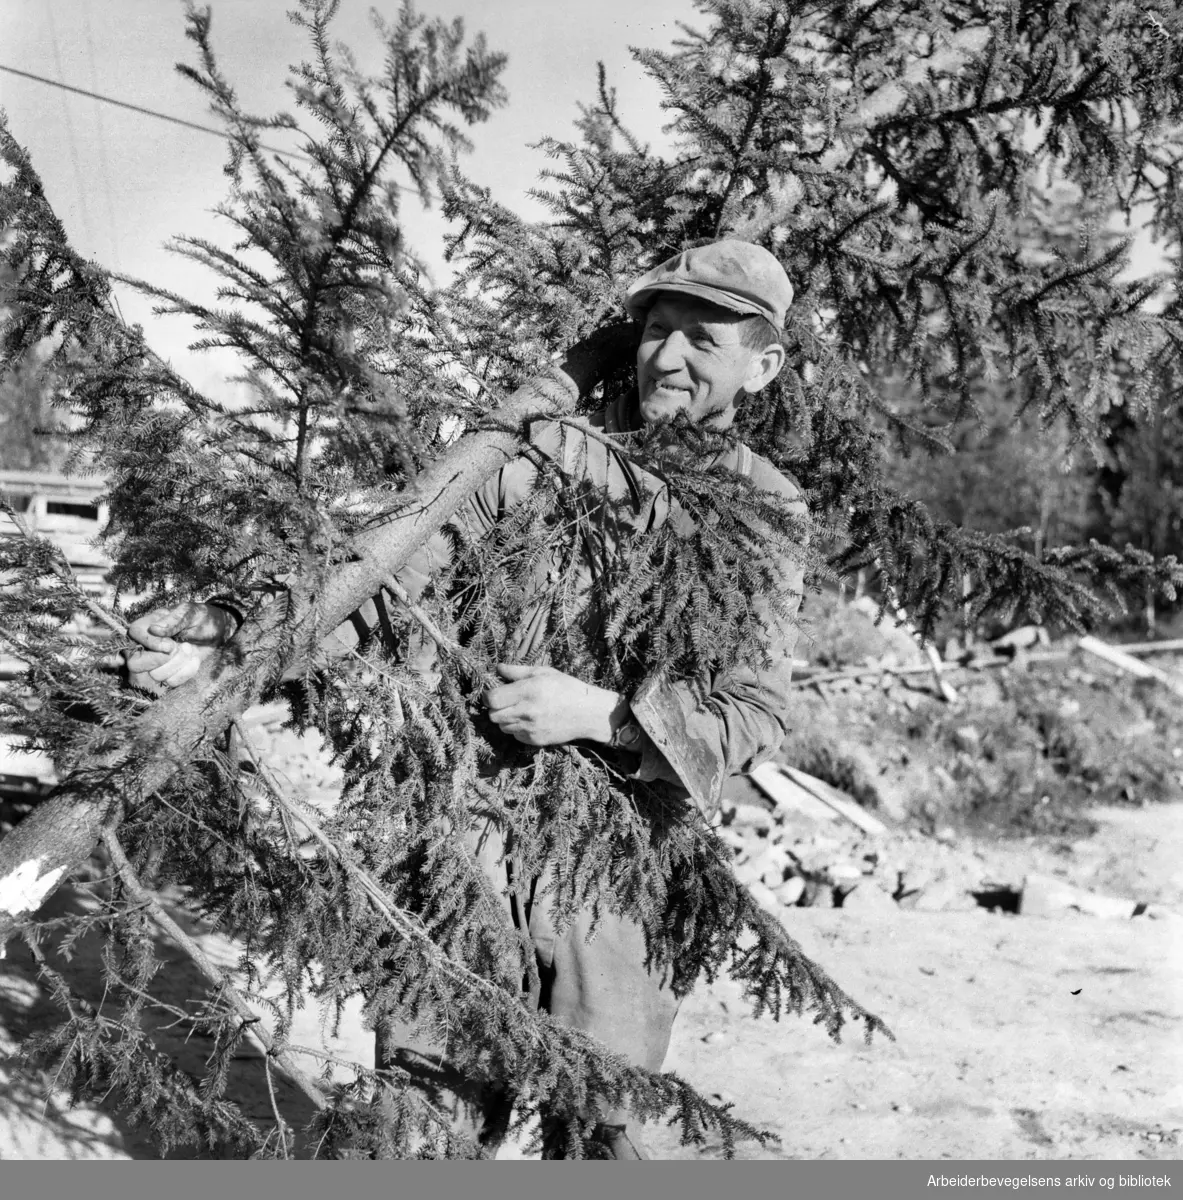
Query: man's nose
x=671, y=353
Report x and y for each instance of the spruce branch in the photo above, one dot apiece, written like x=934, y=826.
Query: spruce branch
x=447, y=644
x=862, y=145
x=281, y=1128
x=649, y=1093
x=173, y=728
x=101, y=1055
x=400, y=922
x=225, y=990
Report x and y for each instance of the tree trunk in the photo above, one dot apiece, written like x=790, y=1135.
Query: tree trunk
x=57, y=837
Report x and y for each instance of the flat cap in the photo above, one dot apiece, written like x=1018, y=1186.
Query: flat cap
x=739, y=276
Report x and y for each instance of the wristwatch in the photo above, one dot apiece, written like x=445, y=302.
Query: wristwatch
x=627, y=737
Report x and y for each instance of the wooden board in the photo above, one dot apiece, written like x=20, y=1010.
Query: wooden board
x=788, y=796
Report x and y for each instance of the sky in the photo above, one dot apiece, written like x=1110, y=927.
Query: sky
x=123, y=183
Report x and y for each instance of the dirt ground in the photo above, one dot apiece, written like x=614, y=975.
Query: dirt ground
x=1018, y=1037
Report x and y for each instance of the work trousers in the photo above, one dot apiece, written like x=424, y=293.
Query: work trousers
x=601, y=987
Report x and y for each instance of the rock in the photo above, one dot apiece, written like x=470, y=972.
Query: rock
x=868, y=900
x=767, y=859
x=968, y=739
x=818, y=895
x=894, y=800
x=946, y=779
x=1156, y=912
x=946, y=835
x=1046, y=896
x=748, y=873
x=946, y=896
x=844, y=872
x=764, y=896
x=732, y=838
x=913, y=878
x=751, y=816
x=790, y=892
x=1023, y=638
x=818, y=844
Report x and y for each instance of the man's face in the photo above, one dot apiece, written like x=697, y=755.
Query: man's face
x=691, y=360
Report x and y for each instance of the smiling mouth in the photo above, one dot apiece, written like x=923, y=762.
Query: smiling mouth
x=667, y=389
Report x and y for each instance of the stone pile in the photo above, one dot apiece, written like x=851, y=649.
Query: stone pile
x=786, y=863
x=786, y=857
x=789, y=858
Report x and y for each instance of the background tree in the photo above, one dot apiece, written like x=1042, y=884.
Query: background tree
x=1142, y=488
x=26, y=414
x=1015, y=470
x=891, y=154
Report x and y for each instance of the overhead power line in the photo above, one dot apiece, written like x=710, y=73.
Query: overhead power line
x=146, y=112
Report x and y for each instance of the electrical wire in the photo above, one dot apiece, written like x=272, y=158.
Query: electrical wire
x=147, y=112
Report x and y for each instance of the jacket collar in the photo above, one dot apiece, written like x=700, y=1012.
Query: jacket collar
x=623, y=415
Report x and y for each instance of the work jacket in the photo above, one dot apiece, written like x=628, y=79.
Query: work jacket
x=696, y=733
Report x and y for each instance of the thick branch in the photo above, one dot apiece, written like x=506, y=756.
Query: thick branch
x=57, y=837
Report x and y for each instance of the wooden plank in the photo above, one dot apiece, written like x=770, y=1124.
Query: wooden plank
x=788, y=796
x=1129, y=664
x=839, y=801
x=943, y=686
x=803, y=678
x=1167, y=647
x=1047, y=896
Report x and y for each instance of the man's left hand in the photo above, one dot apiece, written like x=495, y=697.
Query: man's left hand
x=544, y=707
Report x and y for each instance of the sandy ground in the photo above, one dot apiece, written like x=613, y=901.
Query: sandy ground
x=1018, y=1037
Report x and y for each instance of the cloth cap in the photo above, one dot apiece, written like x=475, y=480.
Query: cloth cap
x=739, y=276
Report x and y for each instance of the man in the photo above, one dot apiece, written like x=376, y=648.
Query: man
x=712, y=318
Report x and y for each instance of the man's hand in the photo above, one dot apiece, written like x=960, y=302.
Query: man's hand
x=176, y=641
x=543, y=707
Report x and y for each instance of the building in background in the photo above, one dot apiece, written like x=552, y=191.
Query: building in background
x=69, y=512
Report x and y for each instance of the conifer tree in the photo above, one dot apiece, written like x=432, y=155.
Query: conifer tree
x=26, y=416
x=1141, y=482
x=1011, y=471
x=892, y=154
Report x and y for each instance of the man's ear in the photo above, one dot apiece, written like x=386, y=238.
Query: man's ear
x=764, y=368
